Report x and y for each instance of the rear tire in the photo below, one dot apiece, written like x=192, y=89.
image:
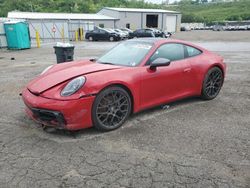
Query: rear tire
x=91, y=38
x=212, y=83
x=111, y=108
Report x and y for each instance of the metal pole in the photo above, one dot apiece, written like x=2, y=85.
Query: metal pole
x=76, y=35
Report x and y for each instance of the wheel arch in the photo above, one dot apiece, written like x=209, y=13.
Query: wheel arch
x=220, y=67
x=212, y=66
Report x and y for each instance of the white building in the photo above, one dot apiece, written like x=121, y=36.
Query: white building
x=142, y=18
x=65, y=25
x=58, y=25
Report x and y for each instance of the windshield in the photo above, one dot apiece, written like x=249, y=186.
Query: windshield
x=129, y=53
x=107, y=30
x=118, y=30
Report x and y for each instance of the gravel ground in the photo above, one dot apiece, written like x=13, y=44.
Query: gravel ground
x=192, y=143
x=224, y=36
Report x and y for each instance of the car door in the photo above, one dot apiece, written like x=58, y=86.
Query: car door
x=166, y=83
x=96, y=34
x=103, y=35
x=148, y=33
x=140, y=33
x=193, y=57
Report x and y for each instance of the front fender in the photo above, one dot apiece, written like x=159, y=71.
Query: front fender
x=128, y=77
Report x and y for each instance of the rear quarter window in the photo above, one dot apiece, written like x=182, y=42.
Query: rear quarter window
x=191, y=51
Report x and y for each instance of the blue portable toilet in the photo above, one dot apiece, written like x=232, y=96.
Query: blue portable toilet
x=17, y=34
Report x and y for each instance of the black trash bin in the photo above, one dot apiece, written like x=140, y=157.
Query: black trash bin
x=64, y=54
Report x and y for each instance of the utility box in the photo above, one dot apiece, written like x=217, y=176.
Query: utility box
x=17, y=35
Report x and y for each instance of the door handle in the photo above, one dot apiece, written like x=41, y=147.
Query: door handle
x=187, y=69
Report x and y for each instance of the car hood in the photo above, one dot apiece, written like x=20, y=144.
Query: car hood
x=62, y=72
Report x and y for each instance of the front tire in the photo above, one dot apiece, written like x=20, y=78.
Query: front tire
x=91, y=38
x=111, y=108
x=212, y=83
x=111, y=39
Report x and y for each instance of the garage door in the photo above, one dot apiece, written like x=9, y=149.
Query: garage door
x=171, y=23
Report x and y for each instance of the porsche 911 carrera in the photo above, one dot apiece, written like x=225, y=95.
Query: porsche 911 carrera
x=134, y=75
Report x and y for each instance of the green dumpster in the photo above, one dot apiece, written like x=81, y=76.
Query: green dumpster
x=17, y=34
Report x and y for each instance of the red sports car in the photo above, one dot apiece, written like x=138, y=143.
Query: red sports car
x=134, y=75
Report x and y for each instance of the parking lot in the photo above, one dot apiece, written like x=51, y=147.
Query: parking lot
x=189, y=143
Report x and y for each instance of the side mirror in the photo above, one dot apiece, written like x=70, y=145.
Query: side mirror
x=159, y=62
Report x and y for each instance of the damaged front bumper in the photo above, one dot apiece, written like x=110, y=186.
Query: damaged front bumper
x=61, y=114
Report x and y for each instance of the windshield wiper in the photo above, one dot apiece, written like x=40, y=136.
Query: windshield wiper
x=93, y=59
x=108, y=63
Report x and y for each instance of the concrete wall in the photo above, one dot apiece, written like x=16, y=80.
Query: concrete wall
x=178, y=24
x=134, y=19
x=107, y=23
x=137, y=20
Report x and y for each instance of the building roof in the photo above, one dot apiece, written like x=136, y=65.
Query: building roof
x=140, y=10
x=58, y=16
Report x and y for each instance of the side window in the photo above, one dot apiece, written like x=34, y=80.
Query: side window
x=191, y=51
x=95, y=31
x=171, y=51
x=102, y=31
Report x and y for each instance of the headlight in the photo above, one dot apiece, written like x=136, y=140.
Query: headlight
x=73, y=86
x=45, y=70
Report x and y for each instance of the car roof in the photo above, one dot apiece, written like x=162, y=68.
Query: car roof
x=148, y=39
x=159, y=41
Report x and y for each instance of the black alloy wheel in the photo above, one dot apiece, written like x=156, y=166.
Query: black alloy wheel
x=111, y=108
x=212, y=83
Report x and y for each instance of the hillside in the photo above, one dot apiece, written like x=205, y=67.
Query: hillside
x=210, y=12
x=71, y=6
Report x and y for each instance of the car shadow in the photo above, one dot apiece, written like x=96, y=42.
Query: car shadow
x=73, y=134
x=27, y=123
x=171, y=105
x=93, y=131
